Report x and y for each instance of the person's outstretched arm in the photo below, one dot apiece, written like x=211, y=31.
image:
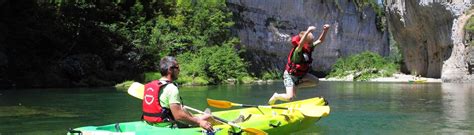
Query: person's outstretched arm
x=322, y=36
x=305, y=35
x=296, y=53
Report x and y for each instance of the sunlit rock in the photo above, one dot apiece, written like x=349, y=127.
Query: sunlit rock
x=430, y=34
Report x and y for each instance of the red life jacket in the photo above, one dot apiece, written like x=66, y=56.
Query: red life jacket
x=152, y=110
x=301, y=68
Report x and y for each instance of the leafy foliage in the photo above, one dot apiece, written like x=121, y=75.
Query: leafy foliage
x=223, y=63
x=246, y=79
x=216, y=63
x=124, y=85
x=196, y=32
x=150, y=76
x=380, y=19
x=272, y=75
x=363, y=67
x=470, y=25
x=470, y=30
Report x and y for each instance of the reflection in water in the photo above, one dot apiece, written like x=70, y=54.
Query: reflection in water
x=457, y=103
x=20, y=111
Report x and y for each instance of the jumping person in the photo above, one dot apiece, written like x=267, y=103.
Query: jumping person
x=298, y=65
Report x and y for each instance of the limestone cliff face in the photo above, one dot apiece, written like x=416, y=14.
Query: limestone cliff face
x=265, y=28
x=430, y=34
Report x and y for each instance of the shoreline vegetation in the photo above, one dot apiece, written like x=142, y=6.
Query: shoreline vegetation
x=395, y=78
x=365, y=67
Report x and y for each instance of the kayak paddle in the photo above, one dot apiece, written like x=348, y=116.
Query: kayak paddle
x=137, y=90
x=307, y=110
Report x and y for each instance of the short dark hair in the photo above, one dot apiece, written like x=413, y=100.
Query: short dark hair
x=166, y=63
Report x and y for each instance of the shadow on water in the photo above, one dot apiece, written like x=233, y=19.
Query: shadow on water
x=356, y=108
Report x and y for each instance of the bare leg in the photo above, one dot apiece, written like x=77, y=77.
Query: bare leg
x=308, y=80
x=290, y=93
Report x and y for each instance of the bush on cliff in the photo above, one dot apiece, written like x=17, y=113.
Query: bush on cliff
x=364, y=66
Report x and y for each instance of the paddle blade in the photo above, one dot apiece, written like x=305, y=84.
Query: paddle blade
x=136, y=90
x=219, y=103
x=254, y=131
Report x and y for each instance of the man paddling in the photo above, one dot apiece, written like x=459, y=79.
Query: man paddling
x=299, y=61
x=162, y=103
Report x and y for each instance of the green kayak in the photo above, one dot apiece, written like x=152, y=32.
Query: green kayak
x=272, y=121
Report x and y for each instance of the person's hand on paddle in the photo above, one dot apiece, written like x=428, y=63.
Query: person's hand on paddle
x=205, y=125
x=204, y=120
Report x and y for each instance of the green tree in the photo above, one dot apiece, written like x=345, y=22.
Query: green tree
x=196, y=32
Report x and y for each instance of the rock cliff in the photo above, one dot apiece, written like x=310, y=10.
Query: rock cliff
x=430, y=34
x=266, y=26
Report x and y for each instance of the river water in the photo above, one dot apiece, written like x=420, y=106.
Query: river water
x=356, y=107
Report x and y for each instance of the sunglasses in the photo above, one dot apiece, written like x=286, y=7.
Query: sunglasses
x=176, y=67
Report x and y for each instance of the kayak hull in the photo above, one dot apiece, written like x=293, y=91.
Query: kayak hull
x=272, y=121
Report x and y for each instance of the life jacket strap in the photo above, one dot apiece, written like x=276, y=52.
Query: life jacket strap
x=152, y=114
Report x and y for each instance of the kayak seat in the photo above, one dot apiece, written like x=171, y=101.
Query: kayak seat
x=242, y=118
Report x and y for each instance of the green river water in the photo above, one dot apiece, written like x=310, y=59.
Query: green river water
x=356, y=107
